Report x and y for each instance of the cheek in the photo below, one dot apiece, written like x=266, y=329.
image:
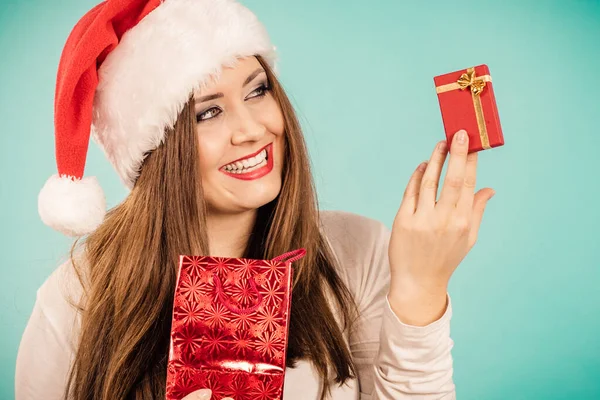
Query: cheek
x=211, y=148
x=272, y=118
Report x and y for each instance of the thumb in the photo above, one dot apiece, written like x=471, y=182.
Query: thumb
x=202, y=394
x=479, y=203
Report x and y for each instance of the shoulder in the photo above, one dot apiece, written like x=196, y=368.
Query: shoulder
x=62, y=286
x=359, y=243
x=58, y=299
x=360, y=246
x=49, y=340
x=353, y=234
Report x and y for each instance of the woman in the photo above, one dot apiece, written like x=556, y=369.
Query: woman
x=182, y=97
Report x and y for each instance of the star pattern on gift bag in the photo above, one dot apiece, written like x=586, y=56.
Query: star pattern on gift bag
x=184, y=367
x=191, y=288
x=229, y=328
x=193, y=264
x=256, y=329
x=264, y=391
x=187, y=339
x=233, y=277
x=226, y=380
x=212, y=381
x=216, y=315
x=268, y=318
x=172, y=376
x=224, y=311
x=278, y=356
x=220, y=266
x=206, y=277
x=199, y=381
x=268, y=344
x=273, y=293
x=241, y=342
x=253, y=382
x=243, y=294
x=243, y=321
x=178, y=391
x=246, y=267
x=273, y=270
x=276, y=380
x=178, y=301
x=204, y=301
x=213, y=342
x=280, y=332
x=260, y=279
x=238, y=388
x=188, y=312
x=216, y=380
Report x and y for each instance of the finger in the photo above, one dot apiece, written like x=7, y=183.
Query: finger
x=465, y=201
x=227, y=398
x=431, y=177
x=480, y=201
x=411, y=193
x=455, y=175
x=202, y=394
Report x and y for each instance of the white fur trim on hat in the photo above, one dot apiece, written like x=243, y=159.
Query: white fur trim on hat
x=147, y=79
x=74, y=207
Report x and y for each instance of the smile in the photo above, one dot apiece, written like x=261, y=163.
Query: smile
x=253, y=166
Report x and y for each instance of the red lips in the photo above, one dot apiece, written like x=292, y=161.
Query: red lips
x=257, y=173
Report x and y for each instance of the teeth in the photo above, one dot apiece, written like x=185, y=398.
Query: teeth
x=248, y=164
x=246, y=170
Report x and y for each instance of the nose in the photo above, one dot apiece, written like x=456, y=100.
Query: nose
x=245, y=127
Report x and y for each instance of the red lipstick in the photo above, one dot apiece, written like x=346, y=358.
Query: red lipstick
x=257, y=173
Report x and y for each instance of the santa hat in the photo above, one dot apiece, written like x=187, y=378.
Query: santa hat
x=126, y=71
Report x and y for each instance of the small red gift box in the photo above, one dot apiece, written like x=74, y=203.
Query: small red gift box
x=230, y=327
x=467, y=102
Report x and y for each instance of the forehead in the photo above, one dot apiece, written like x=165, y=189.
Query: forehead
x=230, y=76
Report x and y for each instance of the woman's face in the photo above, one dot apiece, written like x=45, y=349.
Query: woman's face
x=240, y=130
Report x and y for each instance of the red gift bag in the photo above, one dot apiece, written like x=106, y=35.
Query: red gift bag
x=230, y=326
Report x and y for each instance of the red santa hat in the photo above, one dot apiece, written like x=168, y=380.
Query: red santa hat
x=126, y=71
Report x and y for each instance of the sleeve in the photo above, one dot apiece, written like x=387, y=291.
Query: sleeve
x=393, y=360
x=414, y=362
x=45, y=351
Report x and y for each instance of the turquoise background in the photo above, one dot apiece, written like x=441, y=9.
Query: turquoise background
x=526, y=300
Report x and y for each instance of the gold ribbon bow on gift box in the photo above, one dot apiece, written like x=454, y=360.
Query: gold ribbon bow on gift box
x=477, y=84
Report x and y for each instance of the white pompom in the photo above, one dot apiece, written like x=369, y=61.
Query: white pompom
x=73, y=207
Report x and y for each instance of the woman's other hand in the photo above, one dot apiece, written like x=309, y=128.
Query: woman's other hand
x=430, y=238
x=203, y=394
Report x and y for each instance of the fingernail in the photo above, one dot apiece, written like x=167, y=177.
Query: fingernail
x=493, y=193
x=204, y=394
x=422, y=166
x=462, y=136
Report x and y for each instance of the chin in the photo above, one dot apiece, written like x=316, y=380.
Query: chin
x=250, y=199
x=257, y=200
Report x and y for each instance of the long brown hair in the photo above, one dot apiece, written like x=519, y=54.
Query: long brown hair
x=131, y=263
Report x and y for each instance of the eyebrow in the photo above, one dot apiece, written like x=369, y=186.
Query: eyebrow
x=218, y=95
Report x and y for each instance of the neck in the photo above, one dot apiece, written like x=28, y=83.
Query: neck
x=228, y=234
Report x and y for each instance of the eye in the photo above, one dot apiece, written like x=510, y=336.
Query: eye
x=208, y=114
x=213, y=112
x=260, y=91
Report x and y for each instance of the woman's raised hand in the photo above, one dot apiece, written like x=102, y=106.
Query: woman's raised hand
x=430, y=238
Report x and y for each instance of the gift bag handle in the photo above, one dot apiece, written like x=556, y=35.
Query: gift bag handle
x=290, y=256
x=230, y=304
